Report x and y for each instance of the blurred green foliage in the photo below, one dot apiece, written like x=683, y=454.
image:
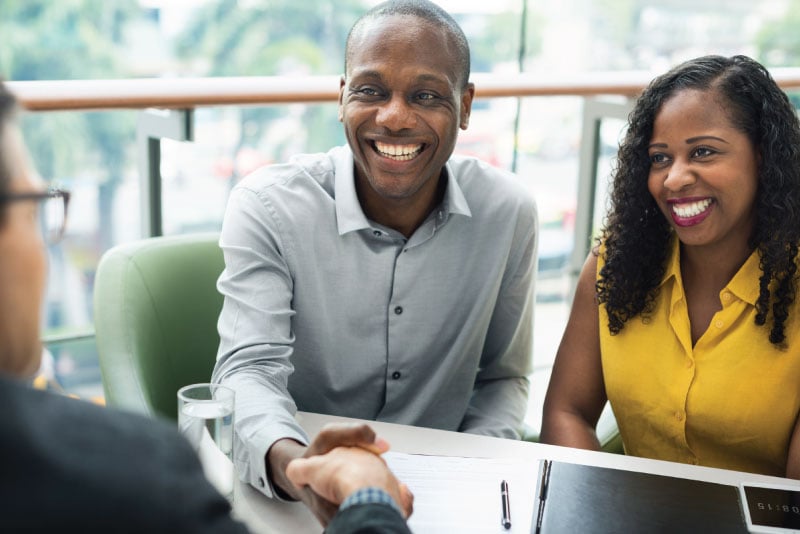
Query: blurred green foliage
x=71, y=39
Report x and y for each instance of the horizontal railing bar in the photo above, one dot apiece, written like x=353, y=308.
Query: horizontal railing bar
x=65, y=338
x=185, y=93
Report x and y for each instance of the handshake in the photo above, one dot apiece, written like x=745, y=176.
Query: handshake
x=343, y=459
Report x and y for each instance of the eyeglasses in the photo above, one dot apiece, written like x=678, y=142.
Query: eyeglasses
x=52, y=211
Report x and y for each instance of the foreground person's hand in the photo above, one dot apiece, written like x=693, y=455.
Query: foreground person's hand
x=340, y=472
x=331, y=436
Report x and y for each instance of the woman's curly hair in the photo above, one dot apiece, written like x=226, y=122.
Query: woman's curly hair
x=636, y=234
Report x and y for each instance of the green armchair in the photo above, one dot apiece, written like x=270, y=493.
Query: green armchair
x=156, y=307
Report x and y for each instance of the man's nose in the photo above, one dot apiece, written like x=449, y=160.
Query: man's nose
x=395, y=114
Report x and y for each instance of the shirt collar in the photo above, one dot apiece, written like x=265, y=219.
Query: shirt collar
x=673, y=269
x=744, y=283
x=349, y=215
x=454, y=199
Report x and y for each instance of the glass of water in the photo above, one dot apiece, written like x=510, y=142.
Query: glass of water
x=205, y=418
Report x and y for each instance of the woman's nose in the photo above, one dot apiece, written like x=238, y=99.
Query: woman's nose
x=679, y=176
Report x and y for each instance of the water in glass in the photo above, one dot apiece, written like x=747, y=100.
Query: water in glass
x=208, y=425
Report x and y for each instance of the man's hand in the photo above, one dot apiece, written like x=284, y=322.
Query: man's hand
x=342, y=471
x=331, y=436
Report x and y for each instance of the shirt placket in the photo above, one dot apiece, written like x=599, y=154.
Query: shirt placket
x=684, y=372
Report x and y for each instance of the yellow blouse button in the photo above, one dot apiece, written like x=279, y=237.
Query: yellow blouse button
x=689, y=363
x=679, y=416
x=719, y=324
x=726, y=296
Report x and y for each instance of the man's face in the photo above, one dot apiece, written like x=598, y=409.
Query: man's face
x=22, y=265
x=402, y=102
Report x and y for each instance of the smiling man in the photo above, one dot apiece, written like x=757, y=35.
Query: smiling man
x=386, y=279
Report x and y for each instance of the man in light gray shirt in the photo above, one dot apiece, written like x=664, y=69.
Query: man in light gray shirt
x=385, y=279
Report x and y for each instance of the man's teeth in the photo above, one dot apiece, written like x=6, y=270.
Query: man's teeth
x=398, y=152
x=691, y=209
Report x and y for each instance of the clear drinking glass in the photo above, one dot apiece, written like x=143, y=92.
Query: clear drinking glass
x=205, y=417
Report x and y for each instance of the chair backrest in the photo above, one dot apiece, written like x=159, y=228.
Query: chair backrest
x=155, y=311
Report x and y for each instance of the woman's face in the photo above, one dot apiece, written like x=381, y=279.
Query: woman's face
x=22, y=265
x=703, y=172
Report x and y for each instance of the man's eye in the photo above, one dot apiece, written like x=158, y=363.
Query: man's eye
x=427, y=96
x=366, y=91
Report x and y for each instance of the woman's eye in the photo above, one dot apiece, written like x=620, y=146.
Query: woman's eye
x=655, y=159
x=702, y=151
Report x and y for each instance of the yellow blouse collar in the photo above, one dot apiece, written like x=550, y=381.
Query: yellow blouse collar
x=744, y=283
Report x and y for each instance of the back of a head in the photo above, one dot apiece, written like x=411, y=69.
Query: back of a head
x=8, y=106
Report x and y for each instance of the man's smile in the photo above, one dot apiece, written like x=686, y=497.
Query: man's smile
x=398, y=152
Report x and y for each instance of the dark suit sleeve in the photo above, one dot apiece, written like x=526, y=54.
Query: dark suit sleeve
x=70, y=466
x=368, y=519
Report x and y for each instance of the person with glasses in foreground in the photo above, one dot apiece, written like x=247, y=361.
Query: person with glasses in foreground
x=66, y=464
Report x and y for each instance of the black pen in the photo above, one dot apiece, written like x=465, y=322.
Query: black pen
x=504, y=497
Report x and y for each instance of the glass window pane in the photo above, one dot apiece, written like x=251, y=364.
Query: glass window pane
x=95, y=154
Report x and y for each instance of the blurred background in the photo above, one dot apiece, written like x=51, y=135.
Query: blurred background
x=94, y=154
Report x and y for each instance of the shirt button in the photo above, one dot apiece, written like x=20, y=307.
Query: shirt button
x=398, y=310
x=377, y=233
x=261, y=481
x=396, y=375
x=689, y=363
x=719, y=324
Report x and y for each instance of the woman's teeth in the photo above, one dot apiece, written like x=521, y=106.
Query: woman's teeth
x=690, y=209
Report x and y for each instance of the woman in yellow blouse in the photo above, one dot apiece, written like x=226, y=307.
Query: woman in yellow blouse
x=685, y=315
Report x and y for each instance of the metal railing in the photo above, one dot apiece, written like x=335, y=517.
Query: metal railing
x=186, y=93
x=167, y=106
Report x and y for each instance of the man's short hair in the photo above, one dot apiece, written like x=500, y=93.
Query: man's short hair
x=425, y=10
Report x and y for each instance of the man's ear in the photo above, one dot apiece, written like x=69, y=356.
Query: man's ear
x=342, y=84
x=466, y=105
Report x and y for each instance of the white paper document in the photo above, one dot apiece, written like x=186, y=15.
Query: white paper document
x=456, y=494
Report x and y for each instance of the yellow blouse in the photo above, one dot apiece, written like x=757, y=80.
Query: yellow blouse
x=730, y=401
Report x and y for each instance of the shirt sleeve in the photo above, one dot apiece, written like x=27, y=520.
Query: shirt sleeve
x=368, y=510
x=500, y=395
x=255, y=332
x=369, y=495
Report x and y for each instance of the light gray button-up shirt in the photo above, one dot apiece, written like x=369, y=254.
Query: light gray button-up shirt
x=327, y=311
